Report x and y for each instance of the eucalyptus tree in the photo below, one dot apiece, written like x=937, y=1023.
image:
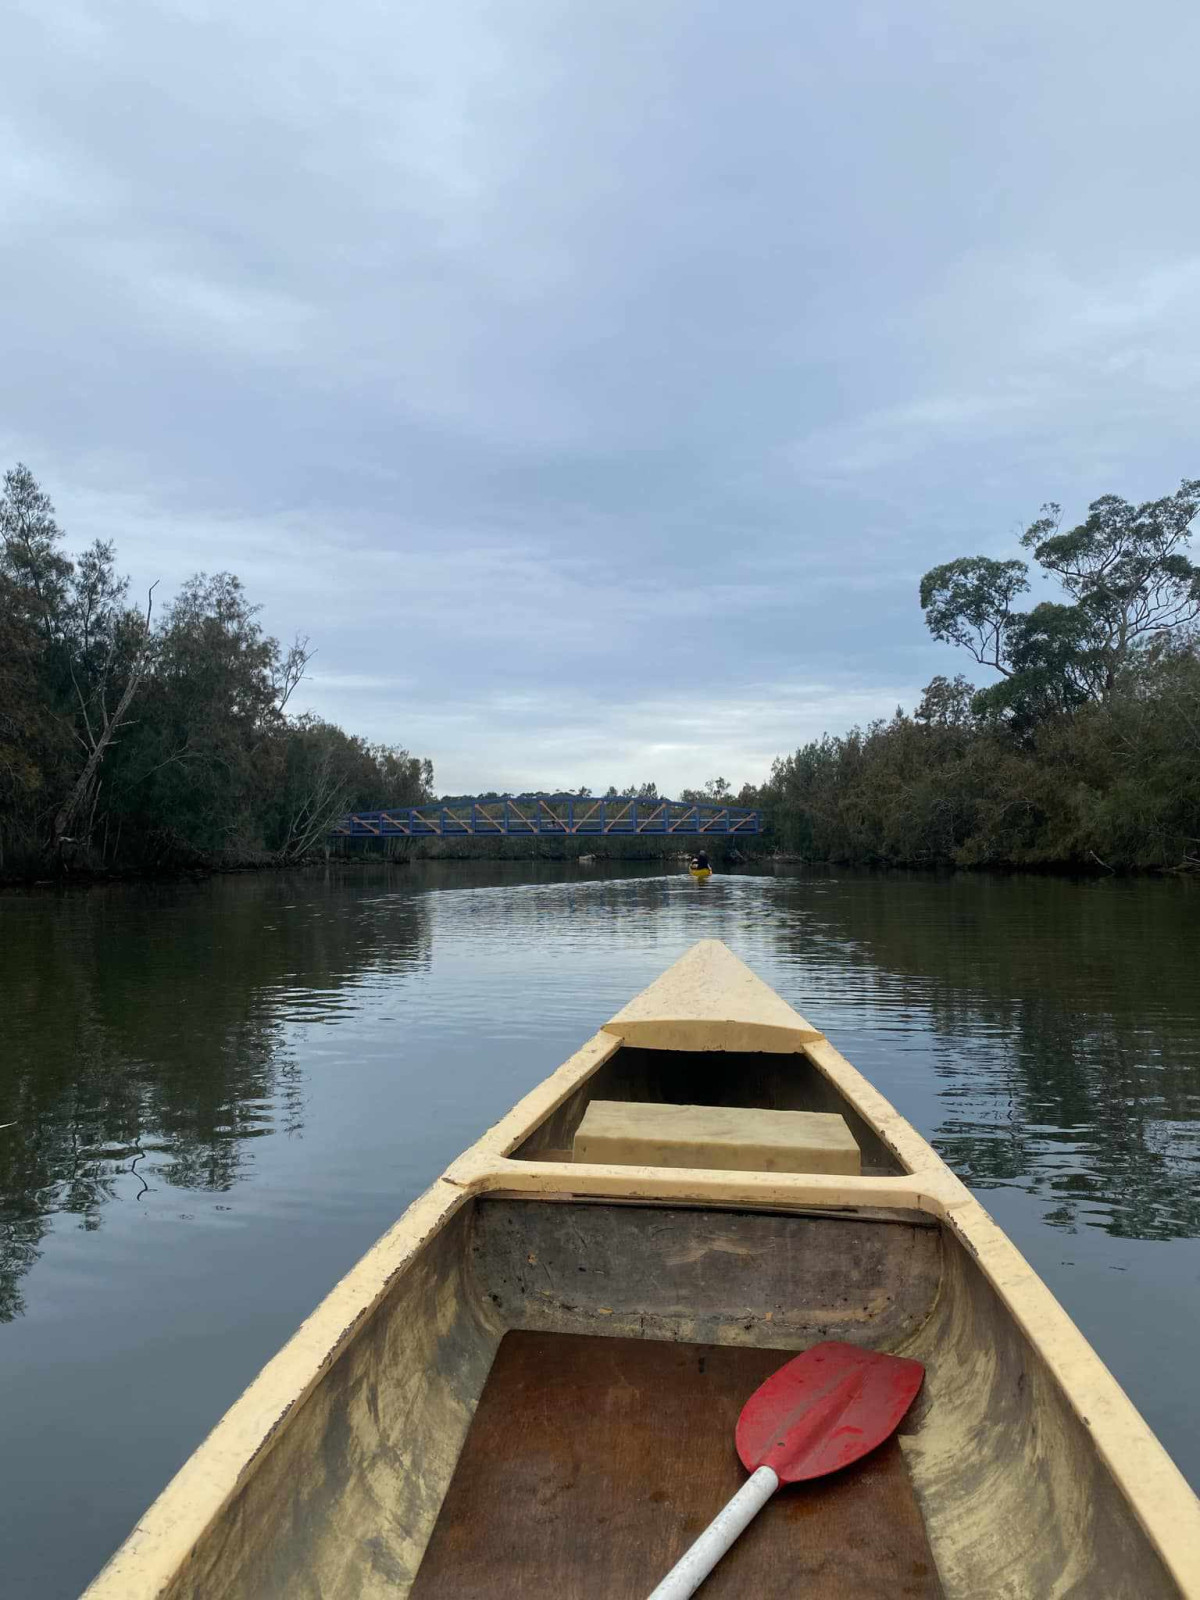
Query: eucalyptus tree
x=1130, y=585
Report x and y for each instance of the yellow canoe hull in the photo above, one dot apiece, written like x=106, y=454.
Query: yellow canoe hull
x=1033, y=1473
x=700, y=873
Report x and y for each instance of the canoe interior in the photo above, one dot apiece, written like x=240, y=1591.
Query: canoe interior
x=705, y=1078
x=592, y=1464
x=343, y=1501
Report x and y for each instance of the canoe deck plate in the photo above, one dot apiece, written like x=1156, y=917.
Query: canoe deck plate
x=592, y=1463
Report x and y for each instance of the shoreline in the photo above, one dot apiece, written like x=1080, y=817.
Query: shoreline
x=196, y=872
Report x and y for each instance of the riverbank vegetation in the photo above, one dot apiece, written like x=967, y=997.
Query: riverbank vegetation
x=157, y=736
x=154, y=737
x=1085, y=751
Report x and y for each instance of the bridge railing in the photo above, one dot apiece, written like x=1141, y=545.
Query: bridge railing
x=578, y=816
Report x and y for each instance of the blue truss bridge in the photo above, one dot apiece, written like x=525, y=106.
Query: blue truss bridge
x=561, y=815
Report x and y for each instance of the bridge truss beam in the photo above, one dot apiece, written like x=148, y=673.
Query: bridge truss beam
x=540, y=816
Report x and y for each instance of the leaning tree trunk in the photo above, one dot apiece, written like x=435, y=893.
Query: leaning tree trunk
x=82, y=788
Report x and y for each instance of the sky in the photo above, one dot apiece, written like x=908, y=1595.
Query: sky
x=592, y=384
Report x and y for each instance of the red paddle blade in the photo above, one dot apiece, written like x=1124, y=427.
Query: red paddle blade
x=825, y=1409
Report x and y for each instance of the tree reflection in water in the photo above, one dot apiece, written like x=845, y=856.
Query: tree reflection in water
x=151, y=1038
x=1065, y=1032
x=1056, y=1024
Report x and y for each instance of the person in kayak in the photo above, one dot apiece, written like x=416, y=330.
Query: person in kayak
x=700, y=862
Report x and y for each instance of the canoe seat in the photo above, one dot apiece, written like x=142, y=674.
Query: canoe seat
x=732, y=1138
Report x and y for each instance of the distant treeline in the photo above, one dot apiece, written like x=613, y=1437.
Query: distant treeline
x=1085, y=753
x=136, y=740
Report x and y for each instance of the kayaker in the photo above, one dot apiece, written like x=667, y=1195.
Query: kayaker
x=700, y=862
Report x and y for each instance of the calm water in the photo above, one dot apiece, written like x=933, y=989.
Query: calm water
x=220, y=1094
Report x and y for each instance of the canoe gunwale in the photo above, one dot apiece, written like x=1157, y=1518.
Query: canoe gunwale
x=855, y=1213
x=1161, y=1502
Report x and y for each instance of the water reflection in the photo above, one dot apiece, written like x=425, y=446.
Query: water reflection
x=149, y=1031
x=147, y=1037
x=223, y=1092
x=1064, y=1029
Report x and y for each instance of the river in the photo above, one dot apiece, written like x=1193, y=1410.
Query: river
x=221, y=1092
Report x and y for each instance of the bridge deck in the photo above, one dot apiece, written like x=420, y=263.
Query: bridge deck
x=550, y=815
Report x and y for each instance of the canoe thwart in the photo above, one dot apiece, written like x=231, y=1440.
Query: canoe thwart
x=730, y=1138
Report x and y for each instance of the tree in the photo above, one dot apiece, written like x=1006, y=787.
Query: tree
x=1057, y=663
x=1125, y=568
x=633, y=791
x=91, y=656
x=121, y=661
x=209, y=747
x=29, y=553
x=320, y=773
x=717, y=791
x=106, y=650
x=394, y=778
x=328, y=772
x=969, y=603
x=139, y=744
x=947, y=703
x=20, y=703
x=34, y=744
x=1129, y=583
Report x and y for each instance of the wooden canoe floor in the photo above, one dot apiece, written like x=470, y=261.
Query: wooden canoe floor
x=593, y=1463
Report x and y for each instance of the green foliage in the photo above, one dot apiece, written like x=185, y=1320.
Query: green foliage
x=126, y=744
x=325, y=772
x=637, y=791
x=968, y=602
x=1056, y=664
x=1085, y=752
x=38, y=572
x=1125, y=568
x=72, y=657
x=21, y=710
x=716, y=792
x=1111, y=783
x=1130, y=586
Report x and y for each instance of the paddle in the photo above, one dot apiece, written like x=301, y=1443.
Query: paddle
x=820, y=1412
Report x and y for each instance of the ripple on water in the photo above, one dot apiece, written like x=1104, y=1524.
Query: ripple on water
x=305, y=1053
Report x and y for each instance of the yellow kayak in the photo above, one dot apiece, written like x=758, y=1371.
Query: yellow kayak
x=700, y=873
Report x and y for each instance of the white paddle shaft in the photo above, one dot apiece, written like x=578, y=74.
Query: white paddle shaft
x=690, y=1571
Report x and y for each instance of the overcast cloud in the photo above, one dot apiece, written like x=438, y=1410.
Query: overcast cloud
x=593, y=383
